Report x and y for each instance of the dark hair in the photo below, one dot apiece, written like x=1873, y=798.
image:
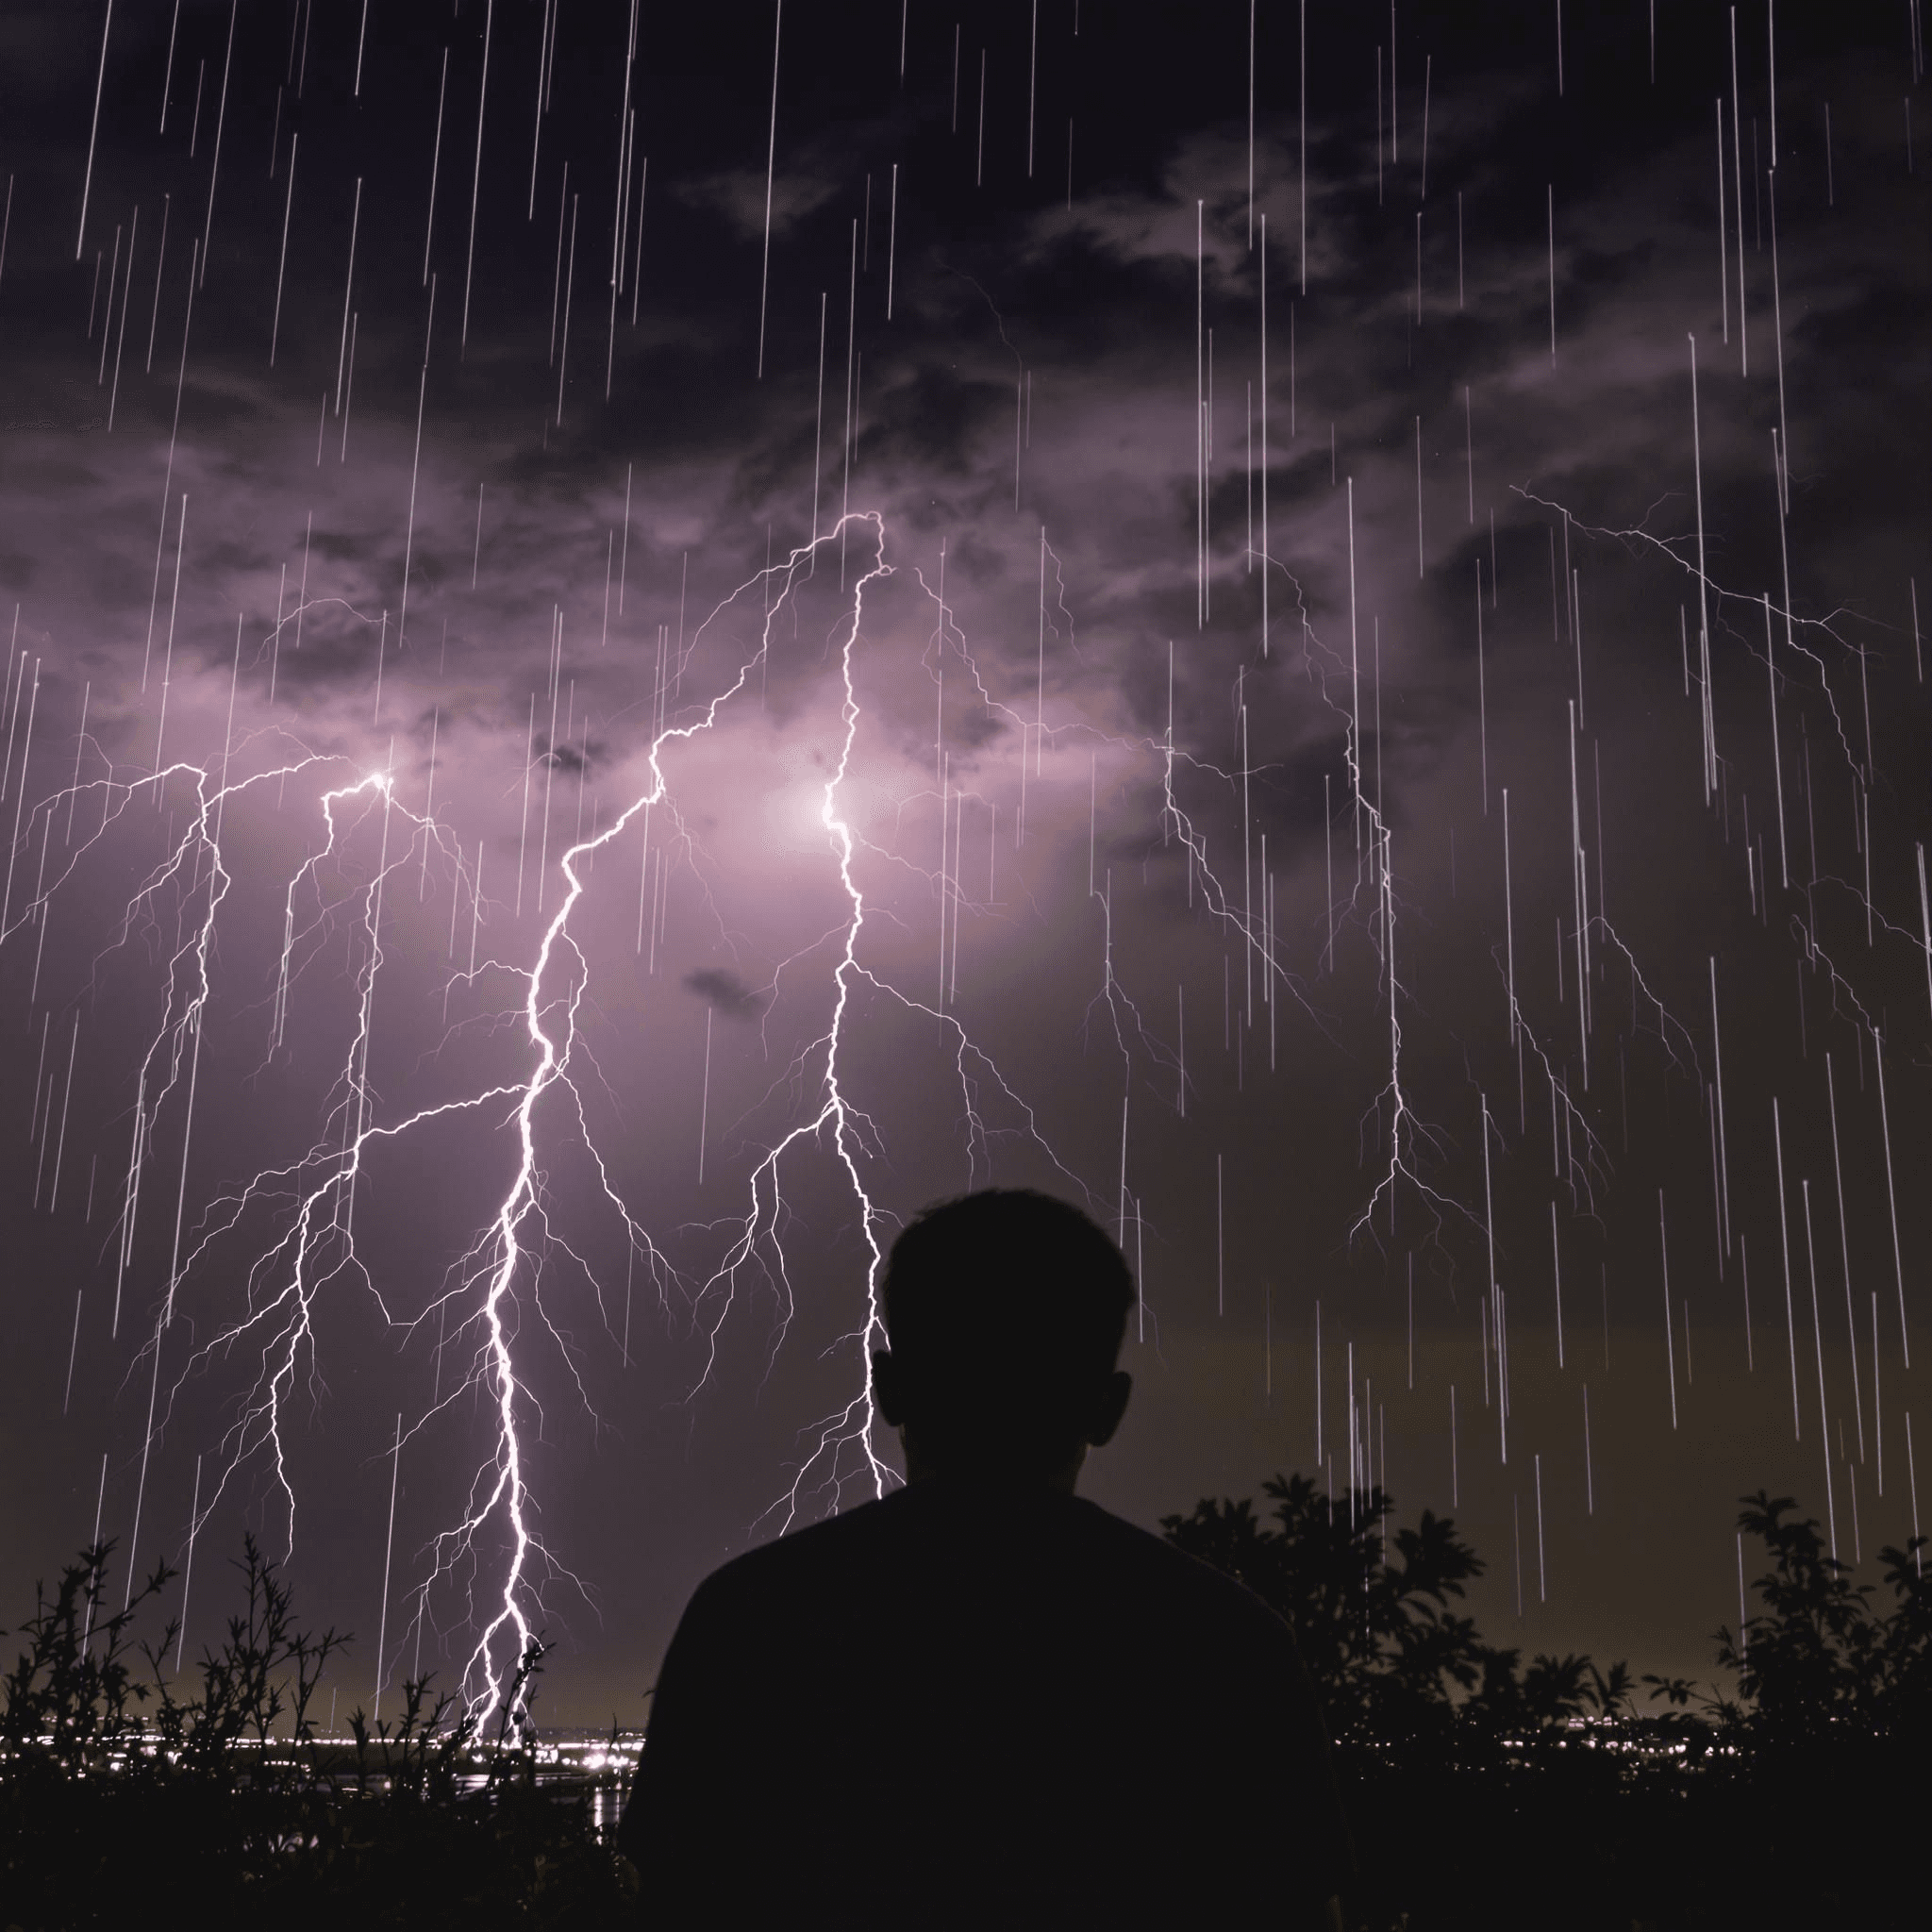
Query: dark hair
x=1004, y=1309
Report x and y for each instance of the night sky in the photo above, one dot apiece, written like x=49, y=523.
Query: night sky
x=1241, y=460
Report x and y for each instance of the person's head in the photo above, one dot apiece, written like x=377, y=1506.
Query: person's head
x=1006, y=1310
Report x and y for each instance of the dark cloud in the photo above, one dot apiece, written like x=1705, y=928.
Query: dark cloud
x=724, y=992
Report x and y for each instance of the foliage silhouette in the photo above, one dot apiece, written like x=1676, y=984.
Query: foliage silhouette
x=1401, y=1672
x=124, y=1796
x=1485, y=1791
x=1820, y=1670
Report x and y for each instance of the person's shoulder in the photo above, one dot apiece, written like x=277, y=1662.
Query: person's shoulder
x=798, y=1558
x=1194, y=1590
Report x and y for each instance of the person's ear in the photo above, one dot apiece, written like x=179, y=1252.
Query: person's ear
x=887, y=1390
x=1109, y=1405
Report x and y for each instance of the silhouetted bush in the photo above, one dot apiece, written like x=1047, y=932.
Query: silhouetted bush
x=1489, y=1792
x=124, y=1802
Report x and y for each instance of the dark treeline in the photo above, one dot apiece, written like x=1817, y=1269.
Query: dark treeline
x=1484, y=1790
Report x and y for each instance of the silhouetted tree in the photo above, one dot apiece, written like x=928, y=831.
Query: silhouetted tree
x=1490, y=1792
x=1820, y=1668
x=1399, y=1669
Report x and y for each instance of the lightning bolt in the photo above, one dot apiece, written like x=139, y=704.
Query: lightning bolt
x=492, y=1553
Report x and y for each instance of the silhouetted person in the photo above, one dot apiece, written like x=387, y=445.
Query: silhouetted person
x=982, y=1700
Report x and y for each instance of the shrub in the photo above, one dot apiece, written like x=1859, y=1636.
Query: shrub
x=1489, y=1792
x=121, y=1797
